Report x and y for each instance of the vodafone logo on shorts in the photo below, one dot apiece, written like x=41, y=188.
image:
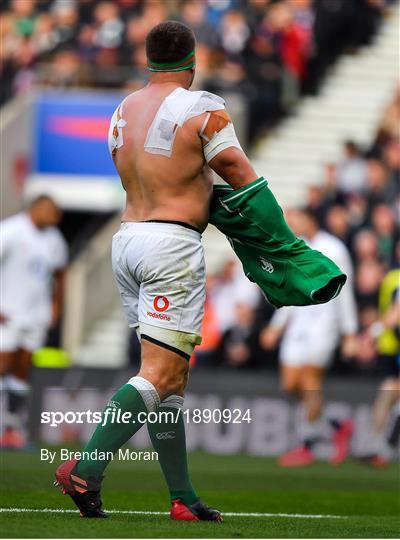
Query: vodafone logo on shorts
x=160, y=304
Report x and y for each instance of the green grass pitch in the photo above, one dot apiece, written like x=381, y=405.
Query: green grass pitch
x=366, y=500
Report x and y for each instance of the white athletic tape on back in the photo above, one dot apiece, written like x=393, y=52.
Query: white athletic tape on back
x=147, y=391
x=174, y=401
x=176, y=109
x=225, y=138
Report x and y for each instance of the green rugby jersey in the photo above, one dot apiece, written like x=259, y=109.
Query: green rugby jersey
x=288, y=271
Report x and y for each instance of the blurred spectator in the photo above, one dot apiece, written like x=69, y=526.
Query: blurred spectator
x=264, y=69
x=66, y=70
x=377, y=180
x=240, y=342
x=330, y=183
x=315, y=200
x=25, y=17
x=108, y=26
x=352, y=170
x=234, y=32
x=365, y=246
x=357, y=207
x=66, y=20
x=391, y=158
x=384, y=223
x=369, y=275
x=194, y=14
x=337, y=223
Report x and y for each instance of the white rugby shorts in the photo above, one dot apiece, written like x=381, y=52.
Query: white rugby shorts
x=299, y=353
x=160, y=273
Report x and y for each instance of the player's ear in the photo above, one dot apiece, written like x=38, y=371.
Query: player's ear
x=193, y=73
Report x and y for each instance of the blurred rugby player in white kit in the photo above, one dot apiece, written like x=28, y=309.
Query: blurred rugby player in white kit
x=310, y=336
x=33, y=254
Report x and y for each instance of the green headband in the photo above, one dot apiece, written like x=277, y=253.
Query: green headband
x=186, y=63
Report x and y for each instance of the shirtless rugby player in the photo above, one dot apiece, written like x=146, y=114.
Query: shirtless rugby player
x=163, y=139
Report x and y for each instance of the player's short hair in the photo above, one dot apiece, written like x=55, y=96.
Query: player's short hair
x=41, y=198
x=169, y=41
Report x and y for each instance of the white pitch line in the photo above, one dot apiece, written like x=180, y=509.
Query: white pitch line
x=148, y=513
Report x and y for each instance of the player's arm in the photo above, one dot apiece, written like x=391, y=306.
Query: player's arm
x=271, y=334
x=60, y=259
x=58, y=295
x=222, y=150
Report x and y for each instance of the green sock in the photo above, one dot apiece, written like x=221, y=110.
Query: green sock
x=169, y=441
x=138, y=396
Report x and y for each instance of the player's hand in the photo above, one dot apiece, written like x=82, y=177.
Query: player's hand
x=3, y=319
x=269, y=337
x=350, y=346
x=55, y=314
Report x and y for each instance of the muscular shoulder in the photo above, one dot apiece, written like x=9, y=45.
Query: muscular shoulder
x=207, y=111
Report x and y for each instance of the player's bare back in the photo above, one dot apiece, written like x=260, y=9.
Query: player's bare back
x=176, y=188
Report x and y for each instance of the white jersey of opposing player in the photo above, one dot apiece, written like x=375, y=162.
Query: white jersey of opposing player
x=313, y=332
x=28, y=258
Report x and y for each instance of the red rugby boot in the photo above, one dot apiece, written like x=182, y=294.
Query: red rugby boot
x=378, y=462
x=341, y=442
x=375, y=460
x=84, y=492
x=197, y=511
x=298, y=457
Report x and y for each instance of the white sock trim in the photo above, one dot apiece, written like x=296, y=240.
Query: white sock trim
x=14, y=384
x=147, y=391
x=311, y=430
x=174, y=401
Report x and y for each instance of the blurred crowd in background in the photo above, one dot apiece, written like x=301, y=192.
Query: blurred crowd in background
x=358, y=201
x=270, y=51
